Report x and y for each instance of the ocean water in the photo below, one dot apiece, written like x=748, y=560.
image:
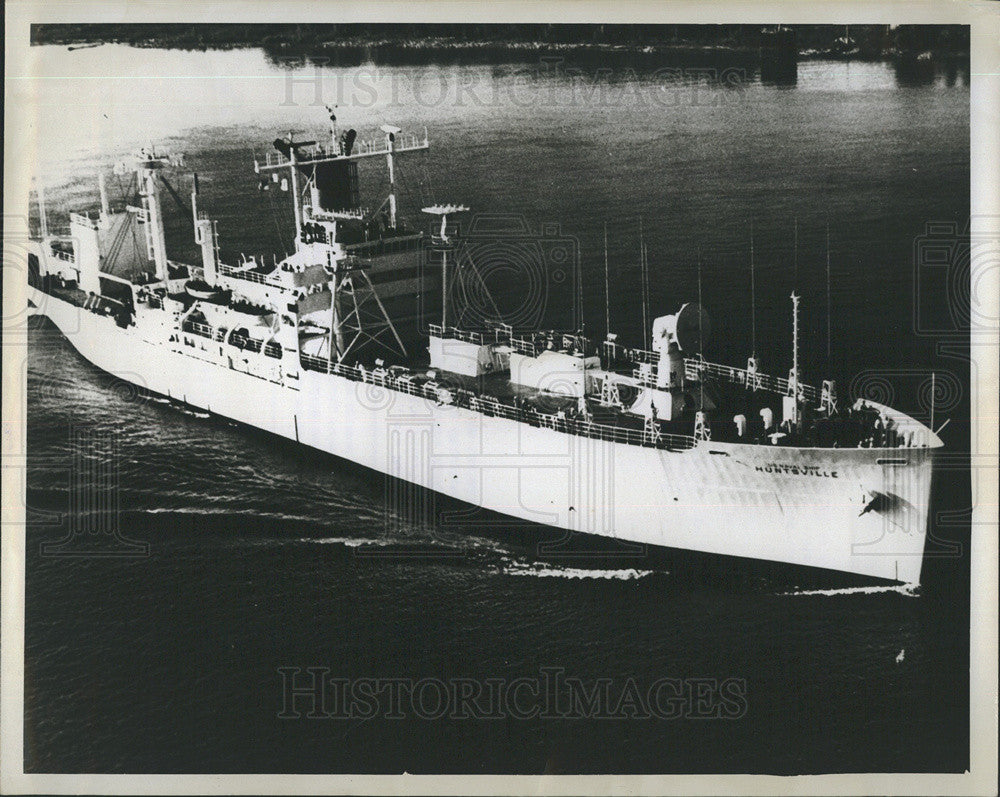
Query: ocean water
x=250, y=558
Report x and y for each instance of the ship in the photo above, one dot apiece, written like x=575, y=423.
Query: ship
x=650, y=444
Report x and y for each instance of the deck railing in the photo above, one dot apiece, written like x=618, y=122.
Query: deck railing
x=526, y=346
x=84, y=218
x=271, y=348
x=641, y=356
x=694, y=369
x=614, y=351
x=452, y=333
x=246, y=343
x=243, y=274
x=198, y=329
x=58, y=254
x=493, y=407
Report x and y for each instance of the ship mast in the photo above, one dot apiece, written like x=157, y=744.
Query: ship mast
x=795, y=253
x=828, y=338
x=701, y=341
x=753, y=301
x=645, y=287
x=332, y=110
x=390, y=140
x=42, y=215
x=793, y=382
x=206, y=236
x=147, y=164
x=336, y=342
x=607, y=291
x=157, y=239
x=105, y=207
x=296, y=201
x=443, y=243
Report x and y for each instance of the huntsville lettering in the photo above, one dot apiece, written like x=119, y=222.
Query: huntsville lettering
x=314, y=693
x=798, y=470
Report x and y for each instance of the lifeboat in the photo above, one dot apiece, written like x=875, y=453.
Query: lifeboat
x=199, y=289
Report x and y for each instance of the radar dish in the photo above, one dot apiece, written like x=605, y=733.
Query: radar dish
x=693, y=327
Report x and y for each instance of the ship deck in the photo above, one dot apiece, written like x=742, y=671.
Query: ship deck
x=732, y=391
x=494, y=395
x=94, y=303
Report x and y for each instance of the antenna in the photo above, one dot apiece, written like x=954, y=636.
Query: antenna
x=443, y=241
x=701, y=340
x=579, y=296
x=753, y=300
x=194, y=200
x=795, y=253
x=828, y=338
x=332, y=110
x=795, y=359
x=932, y=400
x=607, y=294
x=582, y=340
x=645, y=287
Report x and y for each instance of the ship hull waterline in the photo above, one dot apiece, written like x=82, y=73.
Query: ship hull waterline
x=801, y=506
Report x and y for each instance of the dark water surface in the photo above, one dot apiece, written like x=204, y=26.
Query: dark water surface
x=263, y=556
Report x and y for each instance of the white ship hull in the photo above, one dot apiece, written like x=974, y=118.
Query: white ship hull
x=797, y=505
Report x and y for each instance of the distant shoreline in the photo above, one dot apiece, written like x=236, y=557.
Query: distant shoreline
x=403, y=44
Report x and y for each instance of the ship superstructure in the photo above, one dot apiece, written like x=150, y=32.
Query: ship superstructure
x=655, y=445
x=324, y=177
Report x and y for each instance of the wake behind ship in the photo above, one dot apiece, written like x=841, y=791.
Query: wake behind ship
x=652, y=445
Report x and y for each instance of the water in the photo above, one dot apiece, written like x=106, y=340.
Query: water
x=262, y=556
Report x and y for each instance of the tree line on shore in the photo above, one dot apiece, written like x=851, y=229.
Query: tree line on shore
x=859, y=40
